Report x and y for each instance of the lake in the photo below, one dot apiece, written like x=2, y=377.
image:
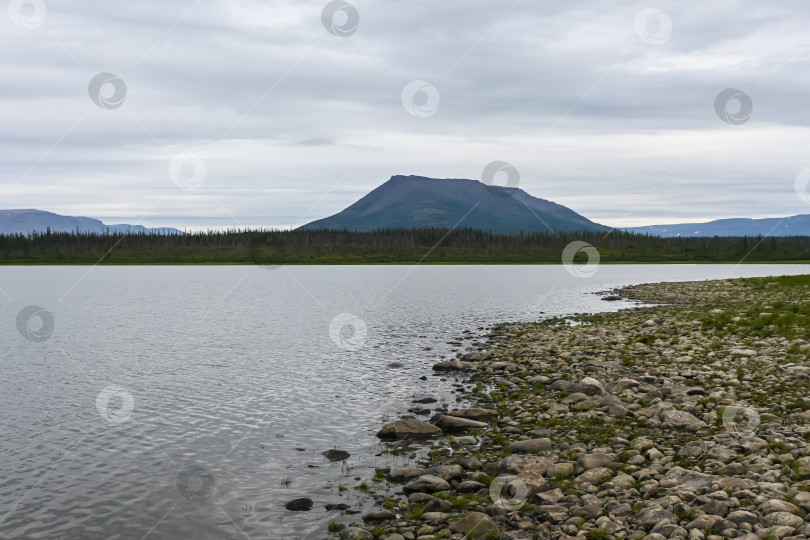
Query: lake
x=193, y=402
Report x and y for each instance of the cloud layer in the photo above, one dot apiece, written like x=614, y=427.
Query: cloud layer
x=247, y=113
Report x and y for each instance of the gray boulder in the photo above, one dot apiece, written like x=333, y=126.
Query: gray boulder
x=408, y=428
x=469, y=486
x=457, y=423
x=530, y=446
x=590, y=387
x=405, y=474
x=617, y=387
x=673, y=418
x=519, y=463
x=380, y=515
x=652, y=515
x=445, y=472
x=426, y=484
x=475, y=525
x=595, y=459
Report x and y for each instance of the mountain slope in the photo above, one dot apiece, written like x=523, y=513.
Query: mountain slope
x=27, y=221
x=416, y=201
x=788, y=226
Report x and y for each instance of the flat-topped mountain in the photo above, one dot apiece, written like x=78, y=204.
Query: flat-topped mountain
x=28, y=221
x=417, y=201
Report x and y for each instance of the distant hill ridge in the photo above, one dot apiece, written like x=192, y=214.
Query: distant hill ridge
x=26, y=221
x=418, y=201
x=788, y=226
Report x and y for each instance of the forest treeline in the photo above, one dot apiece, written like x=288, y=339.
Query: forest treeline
x=266, y=247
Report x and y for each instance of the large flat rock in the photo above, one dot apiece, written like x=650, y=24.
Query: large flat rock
x=408, y=428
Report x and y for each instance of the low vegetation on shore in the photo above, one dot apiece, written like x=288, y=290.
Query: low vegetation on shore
x=385, y=246
x=689, y=418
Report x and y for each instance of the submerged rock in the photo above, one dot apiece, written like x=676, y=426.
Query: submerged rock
x=336, y=455
x=299, y=505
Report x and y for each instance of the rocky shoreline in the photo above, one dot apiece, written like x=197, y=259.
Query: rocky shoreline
x=689, y=418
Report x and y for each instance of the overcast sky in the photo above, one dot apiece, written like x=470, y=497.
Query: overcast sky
x=274, y=113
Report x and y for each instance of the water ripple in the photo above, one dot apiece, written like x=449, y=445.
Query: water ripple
x=236, y=394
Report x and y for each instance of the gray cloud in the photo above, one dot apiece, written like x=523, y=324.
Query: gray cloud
x=294, y=123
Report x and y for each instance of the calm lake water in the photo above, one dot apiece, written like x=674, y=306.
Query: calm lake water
x=193, y=402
